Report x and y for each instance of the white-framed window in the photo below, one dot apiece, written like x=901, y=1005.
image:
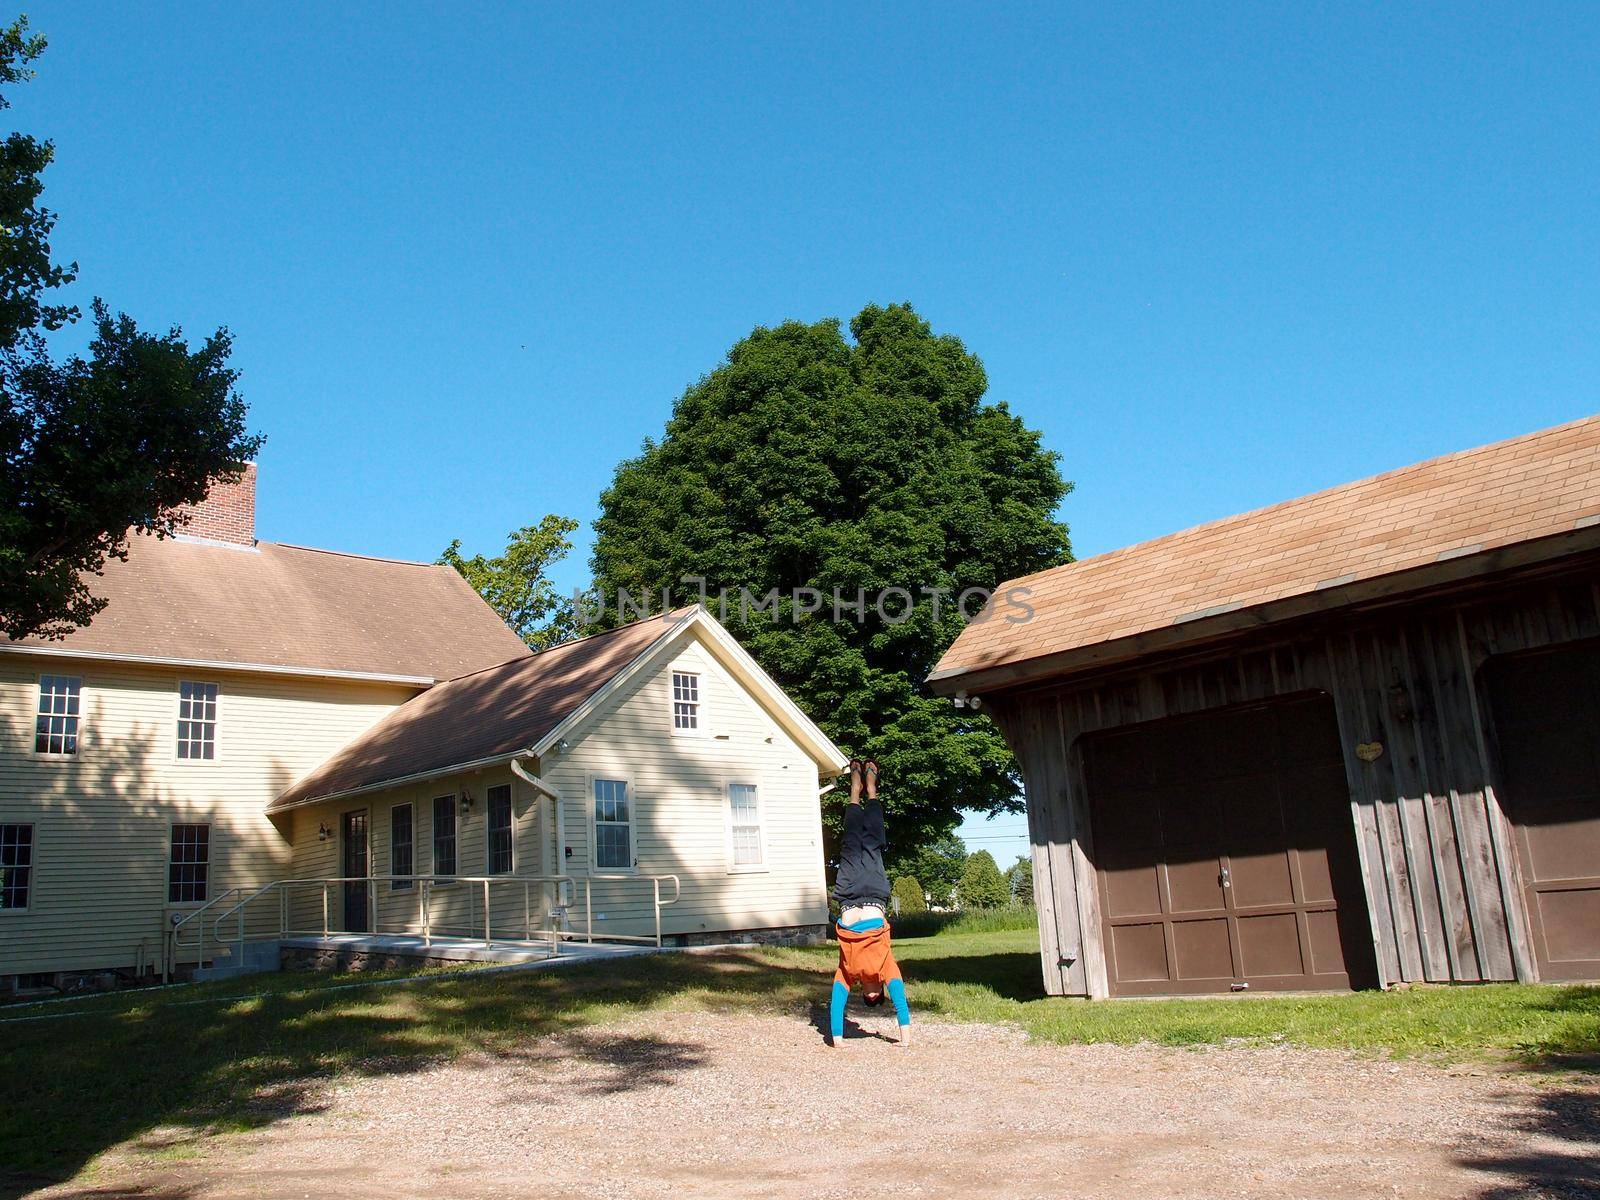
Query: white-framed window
x=55, y=730
x=197, y=721
x=189, y=866
x=685, y=701
x=402, y=846
x=16, y=867
x=498, y=836
x=613, y=825
x=444, y=835
x=746, y=850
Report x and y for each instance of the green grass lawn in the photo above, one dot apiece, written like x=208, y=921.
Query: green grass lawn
x=100, y=1072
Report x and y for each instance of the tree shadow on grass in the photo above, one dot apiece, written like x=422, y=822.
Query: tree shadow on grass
x=153, y=1065
x=1012, y=976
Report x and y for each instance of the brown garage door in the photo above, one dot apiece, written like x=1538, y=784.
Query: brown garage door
x=1547, y=727
x=1226, y=853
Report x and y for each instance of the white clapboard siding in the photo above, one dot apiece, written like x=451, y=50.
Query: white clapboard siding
x=678, y=790
x=678, y=787
x=102, y=818
x=454, y=909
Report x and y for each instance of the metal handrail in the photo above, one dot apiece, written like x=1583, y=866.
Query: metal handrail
x=628, y=877
x=424, y=895
x=428, y=883
x=174, y=940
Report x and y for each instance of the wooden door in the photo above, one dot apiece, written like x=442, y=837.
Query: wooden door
x=353, y=862
x=1225, y=853
x=1546, y=709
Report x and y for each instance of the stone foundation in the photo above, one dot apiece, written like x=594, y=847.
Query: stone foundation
x=783, y=935
x=301, y=958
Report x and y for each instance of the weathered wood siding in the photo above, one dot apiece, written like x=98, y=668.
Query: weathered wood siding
x=1440, y=875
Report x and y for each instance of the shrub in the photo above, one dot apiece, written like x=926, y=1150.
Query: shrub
x=908, y=897
x=982, y=885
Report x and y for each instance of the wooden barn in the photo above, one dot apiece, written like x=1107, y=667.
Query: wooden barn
x=1350, y=740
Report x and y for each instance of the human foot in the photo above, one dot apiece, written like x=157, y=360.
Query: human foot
x=869, y=772
x=855, y=780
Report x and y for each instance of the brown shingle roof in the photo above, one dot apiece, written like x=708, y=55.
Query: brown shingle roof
x=490, y=714
x=1463, y=504
x=292, y=608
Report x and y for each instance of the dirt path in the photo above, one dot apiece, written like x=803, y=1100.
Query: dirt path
x=700, y=1105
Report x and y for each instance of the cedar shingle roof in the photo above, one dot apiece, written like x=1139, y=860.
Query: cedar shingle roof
x=490, y=714
x=289, y=607
x=1463, y=504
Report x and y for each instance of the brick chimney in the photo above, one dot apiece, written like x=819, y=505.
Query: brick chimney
x=227, y=514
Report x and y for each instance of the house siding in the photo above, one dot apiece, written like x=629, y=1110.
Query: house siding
x=453, y=909
x=678, y=784
x=678, y=792
x=102, y=818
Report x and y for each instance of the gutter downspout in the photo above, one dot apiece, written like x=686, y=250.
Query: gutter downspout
x=560, y=816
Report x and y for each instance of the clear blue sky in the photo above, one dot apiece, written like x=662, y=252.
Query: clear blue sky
x=1220, y=257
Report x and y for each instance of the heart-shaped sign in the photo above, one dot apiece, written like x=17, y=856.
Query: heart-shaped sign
x=1369, y=751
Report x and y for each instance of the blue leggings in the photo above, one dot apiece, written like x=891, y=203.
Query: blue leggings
x=841, y=994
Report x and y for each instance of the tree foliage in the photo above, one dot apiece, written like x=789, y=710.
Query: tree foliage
x=97, y=446
x=907, y=892
x=514, y=583
x=937, y=866
x=27, y=268
x=809, y=459
x=982, y=885
x=1019, y=880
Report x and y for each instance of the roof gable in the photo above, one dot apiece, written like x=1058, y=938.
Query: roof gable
x=1451, y=508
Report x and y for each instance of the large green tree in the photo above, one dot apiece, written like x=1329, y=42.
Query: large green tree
x=813, y=460
x=94, y=446
x=514, y=583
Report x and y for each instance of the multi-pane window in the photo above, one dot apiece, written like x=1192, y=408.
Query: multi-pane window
x=190, y=864
x=613, y=834
x=499, y=833
x=685, y=700
x=744, y=816
x=402, y=841
x=56, y=729
x=197, y=720
x=16, y=865
x=444, y=835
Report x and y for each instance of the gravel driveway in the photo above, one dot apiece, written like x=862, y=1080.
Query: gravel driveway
x=712, y=1106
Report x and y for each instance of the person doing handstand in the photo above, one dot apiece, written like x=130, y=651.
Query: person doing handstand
x=862, y=890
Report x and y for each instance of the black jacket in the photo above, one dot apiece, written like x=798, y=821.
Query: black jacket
x=861, y=878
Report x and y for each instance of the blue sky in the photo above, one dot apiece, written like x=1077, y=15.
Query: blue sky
x=471, y=255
